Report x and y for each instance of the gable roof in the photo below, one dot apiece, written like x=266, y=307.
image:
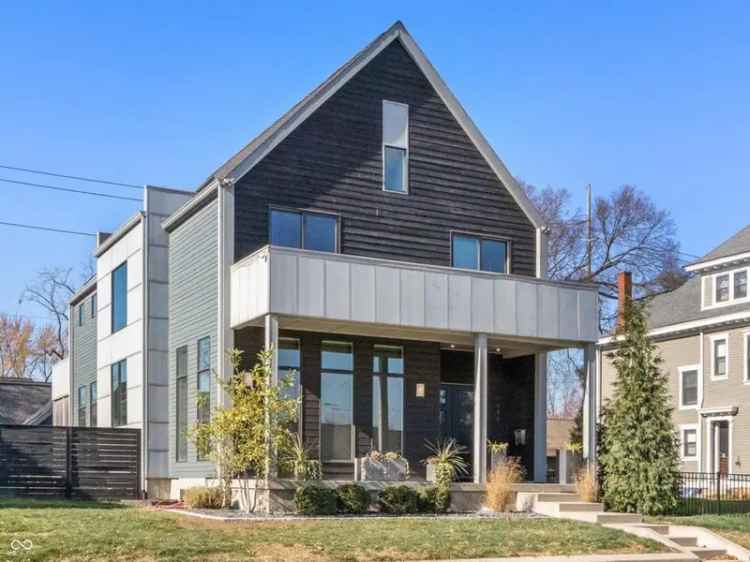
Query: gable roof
x=244, y=160
x=22, y=400
x=734, y=246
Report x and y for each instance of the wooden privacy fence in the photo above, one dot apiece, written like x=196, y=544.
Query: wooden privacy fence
x=70, y=462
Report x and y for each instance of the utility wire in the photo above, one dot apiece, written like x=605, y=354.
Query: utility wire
x=80, y=178
x=70, y=190
x=47, y=229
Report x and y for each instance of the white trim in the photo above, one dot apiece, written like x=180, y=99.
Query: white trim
x=683, y=326
x=704, y=306
x=699, y=398
x=697, y=266
x=185, y=208
x=690, y=427
x=713, y=339
x=746, y=357
x=733, y=299
x=118, y=234
x=710, y=449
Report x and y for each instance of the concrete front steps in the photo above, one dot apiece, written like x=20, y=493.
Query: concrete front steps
x=569, y=506
x=697, y=541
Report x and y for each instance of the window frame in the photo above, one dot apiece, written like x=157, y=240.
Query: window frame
x=684, y=429
x=82, y=416
x=405, y=173
x=202, y=412
x=116, y=405
x=746, y=357
x=734, y=284
x=352, y=374
x=714, y=339
x=302, y=212
x=379, y=376
x=699, y=382
x=93, y=399
x=733, y=298
x=113, y=329
x=179, y=398
x=93, y=303
x=479, y=238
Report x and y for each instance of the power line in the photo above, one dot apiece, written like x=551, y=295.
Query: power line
x=80, y=178
x=47, y=229
x=70, y=190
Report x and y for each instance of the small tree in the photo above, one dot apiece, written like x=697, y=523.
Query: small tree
x=247, y=435
x=639, y=454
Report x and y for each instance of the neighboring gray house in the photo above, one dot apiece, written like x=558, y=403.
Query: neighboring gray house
x=702, y=331
x=374, y=240
x=25, y=402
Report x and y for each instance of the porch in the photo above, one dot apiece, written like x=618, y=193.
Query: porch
x=427, y=352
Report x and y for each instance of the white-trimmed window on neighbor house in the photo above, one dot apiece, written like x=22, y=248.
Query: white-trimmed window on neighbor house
x=203, y=396
x=119, y=393
x=388, y=398
x=305, y=230
x=746, y=337
x=479, y=252
x=92, y=404
x=720, y=357
x=722, y=288
x=181, y=399
x=395, y=147
x=689, y=439
x=739, y=284
x=82, y=406
x=730, y=287
x=689, y=387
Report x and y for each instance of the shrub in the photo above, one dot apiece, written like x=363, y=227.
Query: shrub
x=434, y=499
x=398, y=500
x=500, y=484
x=315, y=500
x=204, y=497
x=586, y=485
x=352, y=498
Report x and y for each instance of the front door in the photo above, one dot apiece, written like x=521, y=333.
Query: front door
x=457, y=416
x=720, y=446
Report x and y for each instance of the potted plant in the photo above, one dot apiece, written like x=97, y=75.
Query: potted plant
x=498, y=453
x=446, y=461
x=384, y=467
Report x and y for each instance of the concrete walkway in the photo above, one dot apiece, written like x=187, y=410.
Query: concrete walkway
x=668, y=557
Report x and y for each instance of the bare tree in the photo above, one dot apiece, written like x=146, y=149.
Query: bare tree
x=24, y=348
x=51, y=291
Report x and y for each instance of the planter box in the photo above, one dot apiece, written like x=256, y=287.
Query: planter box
x=385, y=470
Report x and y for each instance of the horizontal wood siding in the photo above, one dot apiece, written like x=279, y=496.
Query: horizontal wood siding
x=333, y=162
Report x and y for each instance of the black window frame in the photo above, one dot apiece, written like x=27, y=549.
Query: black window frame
x=380, y=374
x=92, y=302
x=93, y=398
x=82, y=417
x=202, y=405
x=117, y=327
x=119, y=406
x=303, y=213
x=479, y=238
x=404, y=169
x=80, y=314
x=348, y=372
x=181, y=404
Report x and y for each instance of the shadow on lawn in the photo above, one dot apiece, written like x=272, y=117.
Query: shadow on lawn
x=35, y=503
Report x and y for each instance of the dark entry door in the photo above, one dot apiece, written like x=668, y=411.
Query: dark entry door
x=721, y=446
x=457, y=416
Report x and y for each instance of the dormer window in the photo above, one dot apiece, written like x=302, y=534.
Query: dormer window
x=395, y=147
x=740, y=284
x=722, y=288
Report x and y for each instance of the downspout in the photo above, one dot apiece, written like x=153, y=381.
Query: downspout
x=146, y=379
x=701, y=448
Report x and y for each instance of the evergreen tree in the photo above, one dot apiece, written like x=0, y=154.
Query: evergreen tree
x=639, y=452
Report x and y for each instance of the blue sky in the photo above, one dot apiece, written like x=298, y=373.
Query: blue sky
x=651, y=94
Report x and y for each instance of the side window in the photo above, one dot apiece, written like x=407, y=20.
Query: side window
x=395, y=147
x=93, y=305
x=304, y=230
x=720, y=359
x=80, y=314
x=119, y=393
x=120, y=297
x=181, y=425
x=722, y=288
x=92, y=404
x=688, y=387
x=689, y=443
x=476, y=252
x=82, y=406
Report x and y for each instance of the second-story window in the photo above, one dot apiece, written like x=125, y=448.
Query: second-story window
x=303, y=229
x=476, y=252
x=120, y=297
x=722, y=288
x=93, y=305
x=719, y=363
x=82, y=406
x=740, y=284
x=395, y=147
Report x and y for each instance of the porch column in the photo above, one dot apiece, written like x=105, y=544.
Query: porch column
x=271, y=341
x=540, y=417
x=589, y=405
x=480, y=408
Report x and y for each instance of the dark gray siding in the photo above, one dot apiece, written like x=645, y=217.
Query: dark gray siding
x=193, y=289
x=83, y=368
x=333, y=162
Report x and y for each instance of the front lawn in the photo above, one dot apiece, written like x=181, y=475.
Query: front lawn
x=736, y=528
x=88, y=531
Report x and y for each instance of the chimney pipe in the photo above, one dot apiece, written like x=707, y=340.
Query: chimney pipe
x=624, y=296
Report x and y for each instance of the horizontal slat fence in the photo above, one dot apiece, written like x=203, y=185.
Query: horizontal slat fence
x=70, y=462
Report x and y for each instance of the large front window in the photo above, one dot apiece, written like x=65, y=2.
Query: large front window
x=388, y=398
x=120, y=297
x=302, y=229
x=120, y=393
x=289, y=365
x=475, y=252
x=337, y=401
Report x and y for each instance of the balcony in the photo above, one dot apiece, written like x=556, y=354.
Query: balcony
x=338, y=292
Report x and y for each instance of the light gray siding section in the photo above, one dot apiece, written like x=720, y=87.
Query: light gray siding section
x=193, y=300
x=83, y=368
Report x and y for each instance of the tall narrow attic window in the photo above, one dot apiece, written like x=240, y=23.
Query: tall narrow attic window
x=395, y=147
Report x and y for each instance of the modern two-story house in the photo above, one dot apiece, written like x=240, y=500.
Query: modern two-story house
x=702, y=332
x=372, y=239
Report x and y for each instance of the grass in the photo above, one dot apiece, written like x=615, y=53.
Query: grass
x=88, y=531
x=736, y=528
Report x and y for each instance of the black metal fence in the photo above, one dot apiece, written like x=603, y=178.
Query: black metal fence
x=70, y=462
x=714, y=493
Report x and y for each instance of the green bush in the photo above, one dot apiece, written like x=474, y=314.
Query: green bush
x=352, y=499
x=315, y=500
x=434, y=499
x=398, y=500
x=203, y=497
